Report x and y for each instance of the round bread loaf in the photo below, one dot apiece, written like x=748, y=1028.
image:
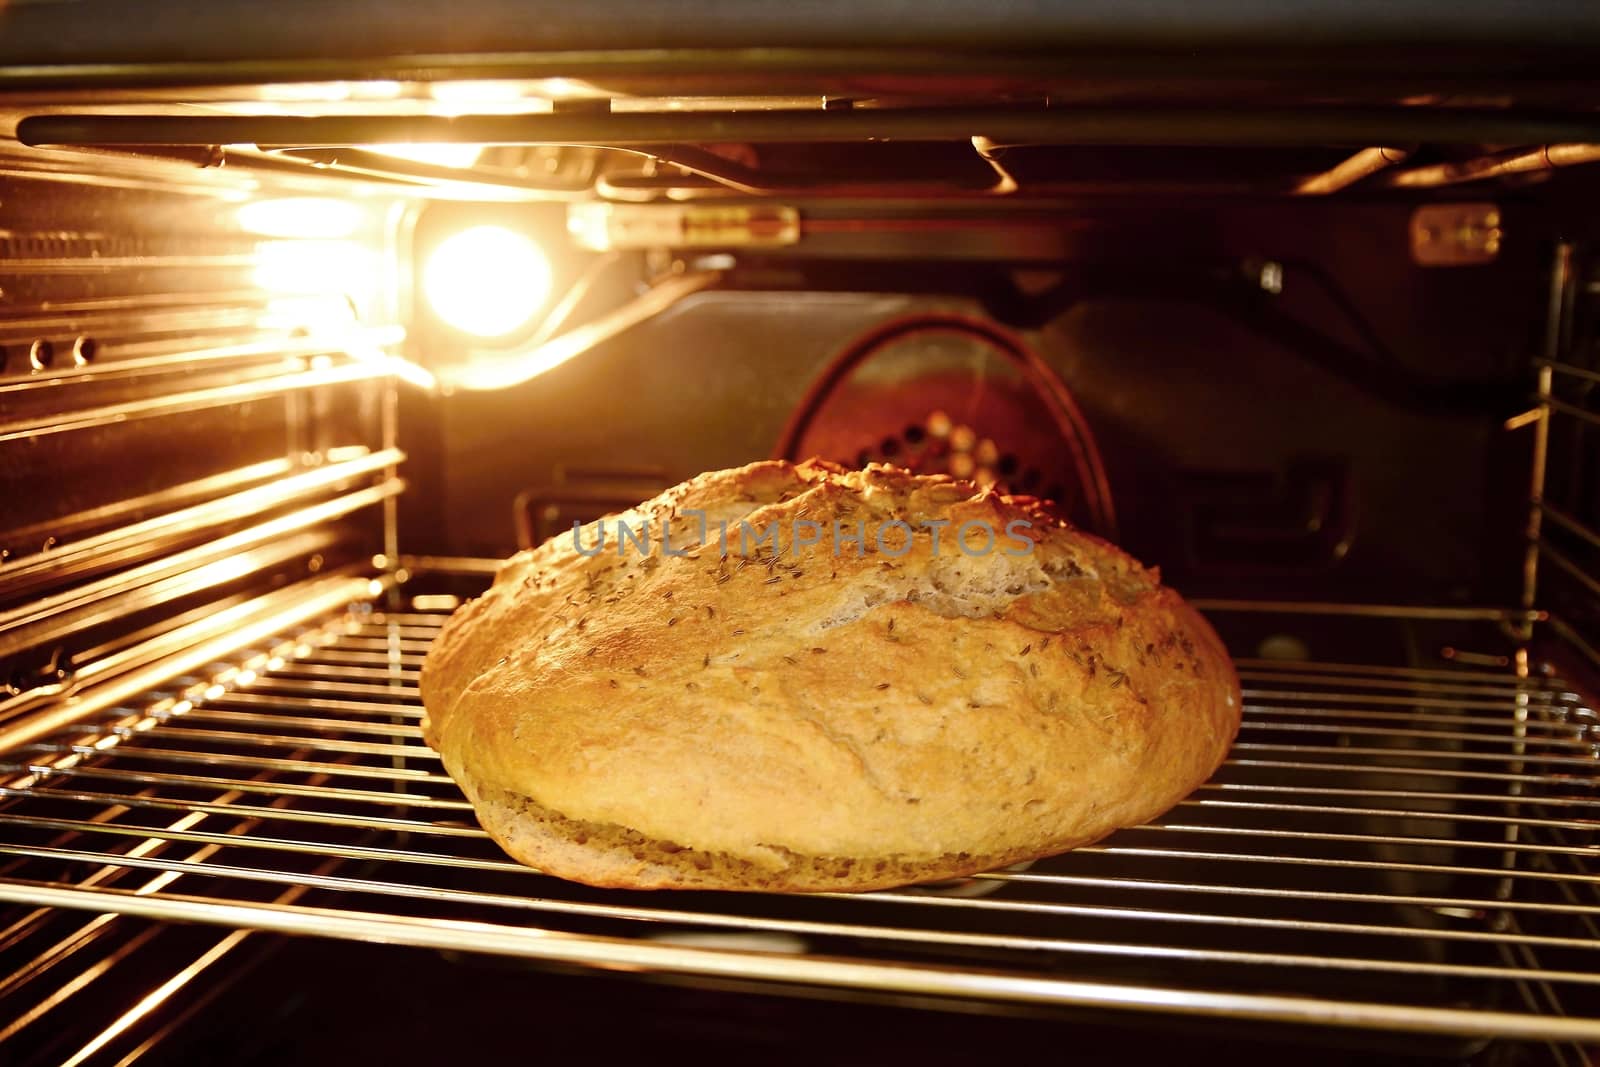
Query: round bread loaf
x=826, y=716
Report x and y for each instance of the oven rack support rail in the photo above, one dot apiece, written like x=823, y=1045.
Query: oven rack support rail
x=1388, y=848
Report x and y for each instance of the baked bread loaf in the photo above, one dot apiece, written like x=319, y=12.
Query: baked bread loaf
x=813, y=718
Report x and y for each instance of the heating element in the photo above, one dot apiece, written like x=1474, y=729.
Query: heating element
x=1388, y=848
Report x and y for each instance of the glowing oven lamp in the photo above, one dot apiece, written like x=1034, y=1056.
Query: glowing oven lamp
x=487, y=280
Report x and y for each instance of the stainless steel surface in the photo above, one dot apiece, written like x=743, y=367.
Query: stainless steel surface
x=507, y=369
x=1002, y=126
x=109, y=681
x=136, y=365
x=300, y=533
x=1374, y=861
x=138, y=540
x=195, y=399
x=185, y=493
x=193, y=31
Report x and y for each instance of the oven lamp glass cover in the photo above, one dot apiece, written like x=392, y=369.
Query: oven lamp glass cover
x=487, y=281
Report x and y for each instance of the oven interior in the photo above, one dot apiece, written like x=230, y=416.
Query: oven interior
x=299, y=338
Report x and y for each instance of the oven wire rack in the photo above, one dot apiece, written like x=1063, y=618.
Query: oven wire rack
x=1387, y=848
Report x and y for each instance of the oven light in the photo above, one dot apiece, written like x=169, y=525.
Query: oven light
x=301, y=216
x=487, y=280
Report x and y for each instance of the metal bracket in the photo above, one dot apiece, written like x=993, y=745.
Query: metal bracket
x=1455, y=235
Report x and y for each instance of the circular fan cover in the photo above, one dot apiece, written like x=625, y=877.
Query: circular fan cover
x=948, y=394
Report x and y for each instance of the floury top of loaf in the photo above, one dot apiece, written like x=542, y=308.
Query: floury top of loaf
x=871, y=678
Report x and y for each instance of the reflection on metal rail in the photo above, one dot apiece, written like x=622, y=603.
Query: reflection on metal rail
x=1565, y=563
x=299, y=533
x=1570, y=524
x=192, y=400
x=1376, y=611
x=377, y=337
x=1573, y=410
x=49, y=619
x=66, y=527
x=1565, y=631
x=191, y=647
x=1581, y=373
x=137, y=540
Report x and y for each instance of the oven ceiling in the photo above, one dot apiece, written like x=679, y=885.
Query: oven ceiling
x=828, y=98
x=1260, y=51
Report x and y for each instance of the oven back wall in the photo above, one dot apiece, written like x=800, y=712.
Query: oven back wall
x=1341, y=439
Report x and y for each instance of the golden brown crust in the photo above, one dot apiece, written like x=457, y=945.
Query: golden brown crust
x=812, y=721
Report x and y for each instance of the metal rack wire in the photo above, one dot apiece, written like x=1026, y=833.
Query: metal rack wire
x=1387, y=848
